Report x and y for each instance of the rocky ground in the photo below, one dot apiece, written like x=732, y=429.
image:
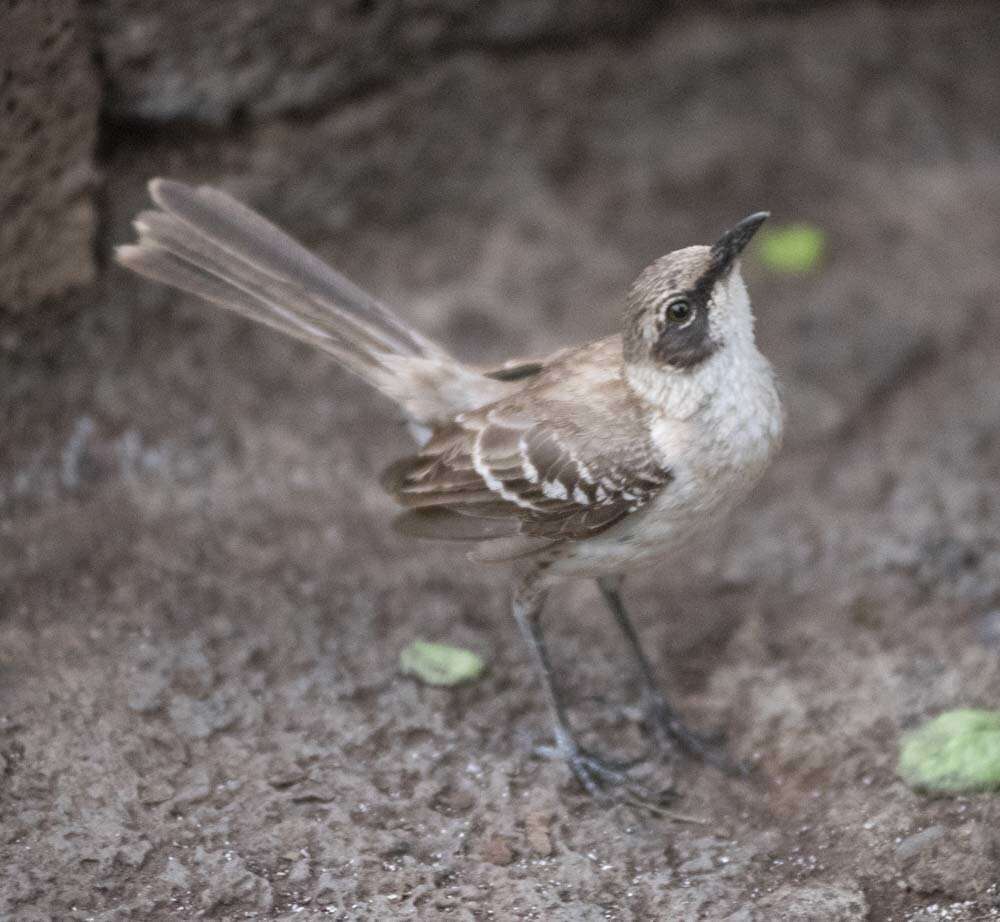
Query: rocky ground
x=202, y=605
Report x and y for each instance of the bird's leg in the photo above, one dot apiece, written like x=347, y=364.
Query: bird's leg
x=593, y=772
x=664, y=719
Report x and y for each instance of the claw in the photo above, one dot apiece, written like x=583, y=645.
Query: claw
x=609, y=766
x=595, y=774
x=671, y=731
x=601, y=777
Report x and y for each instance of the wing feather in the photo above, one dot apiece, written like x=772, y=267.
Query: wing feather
x=525, y=474
x=564, y=458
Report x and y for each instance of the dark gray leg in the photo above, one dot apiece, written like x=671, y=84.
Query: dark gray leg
x=593, y=772
x=665, y=722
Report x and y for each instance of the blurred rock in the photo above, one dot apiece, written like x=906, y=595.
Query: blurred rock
x=962, y=864
x=497, y=850
x=988, y=629
x=197, y=718
x=196, y=788
x=913, y=845
x=261, y=57
x=818, y=903
x=49, y=104
x=226, y=881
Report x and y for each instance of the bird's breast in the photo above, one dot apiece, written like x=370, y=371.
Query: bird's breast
x=715, y=456
x=733, y=437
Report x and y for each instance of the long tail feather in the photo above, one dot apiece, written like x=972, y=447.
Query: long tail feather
x=204, y=242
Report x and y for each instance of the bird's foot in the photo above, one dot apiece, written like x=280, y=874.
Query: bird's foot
x=602, y=778
x=670, y=732
x=599, y=776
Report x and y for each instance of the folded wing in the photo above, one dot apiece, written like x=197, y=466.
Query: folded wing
x=530, y=467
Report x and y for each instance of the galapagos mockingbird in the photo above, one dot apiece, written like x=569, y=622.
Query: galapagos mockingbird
x=589, y=463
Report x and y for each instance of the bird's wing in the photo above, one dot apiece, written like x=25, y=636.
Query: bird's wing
x=543, y=463
x=523, y=369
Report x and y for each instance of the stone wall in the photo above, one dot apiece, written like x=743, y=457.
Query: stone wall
x=49, y=104
x=260, y=58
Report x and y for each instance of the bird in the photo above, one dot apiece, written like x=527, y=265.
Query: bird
x=589, y=463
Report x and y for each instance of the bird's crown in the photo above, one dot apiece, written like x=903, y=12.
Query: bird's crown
x=679, y=309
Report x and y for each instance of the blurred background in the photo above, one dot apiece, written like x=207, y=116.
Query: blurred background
x=201, y=602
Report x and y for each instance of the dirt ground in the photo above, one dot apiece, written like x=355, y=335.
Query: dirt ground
x=202, y=604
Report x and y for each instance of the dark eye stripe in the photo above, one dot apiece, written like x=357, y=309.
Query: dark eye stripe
x=686, y=344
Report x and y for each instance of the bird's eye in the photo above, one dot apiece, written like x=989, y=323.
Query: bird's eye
x=679, y=311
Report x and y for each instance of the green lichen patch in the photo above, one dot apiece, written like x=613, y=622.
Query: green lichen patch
x=957, y=752
x=440, y=664
x=794, y=249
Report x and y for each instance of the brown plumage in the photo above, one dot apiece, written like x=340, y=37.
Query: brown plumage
x=542, y=462
x=588, y=463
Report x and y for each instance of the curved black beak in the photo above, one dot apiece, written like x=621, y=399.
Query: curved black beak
x=728, y=247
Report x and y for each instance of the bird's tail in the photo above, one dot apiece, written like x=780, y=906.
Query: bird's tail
x=203, y=241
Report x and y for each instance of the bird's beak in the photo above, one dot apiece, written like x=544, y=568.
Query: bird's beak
x=728, y=247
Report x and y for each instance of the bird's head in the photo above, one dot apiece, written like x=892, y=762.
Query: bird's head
x=691, y=304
